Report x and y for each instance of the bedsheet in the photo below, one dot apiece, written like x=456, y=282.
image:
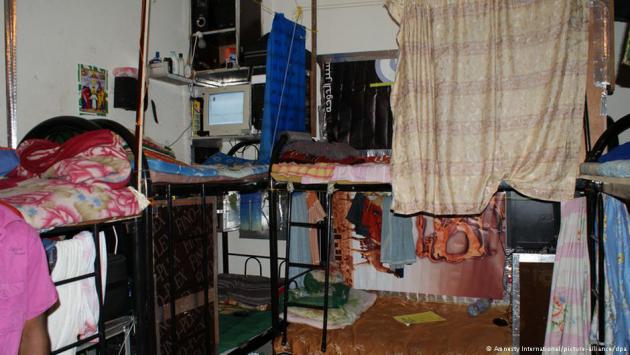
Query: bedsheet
x=179, y=172
x=323, y=173
x=47, y=203
x=376, y=332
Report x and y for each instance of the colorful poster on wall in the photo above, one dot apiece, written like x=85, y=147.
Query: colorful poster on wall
x=92, y=90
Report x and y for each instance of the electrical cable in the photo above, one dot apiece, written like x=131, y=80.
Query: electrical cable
x=180, y=136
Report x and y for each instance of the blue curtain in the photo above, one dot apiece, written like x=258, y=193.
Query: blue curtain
x=285, y=87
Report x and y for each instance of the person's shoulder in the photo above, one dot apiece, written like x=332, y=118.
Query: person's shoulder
x=15, y=227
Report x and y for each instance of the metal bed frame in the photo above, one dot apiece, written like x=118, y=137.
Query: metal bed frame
x=105, y=328
x=326, y=239
x=594, y=187
x=167, y=192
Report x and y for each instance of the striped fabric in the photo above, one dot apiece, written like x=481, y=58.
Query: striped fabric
x=569, y=316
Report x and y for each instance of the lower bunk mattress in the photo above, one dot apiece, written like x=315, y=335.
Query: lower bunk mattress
x=377, y=332
x=237, y=326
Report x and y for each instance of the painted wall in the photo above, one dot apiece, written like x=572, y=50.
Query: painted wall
x=619, y=102
x=54, y=37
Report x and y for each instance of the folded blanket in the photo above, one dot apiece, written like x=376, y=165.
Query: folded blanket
x=249, y=291
x=91, y=157
x=358, y=302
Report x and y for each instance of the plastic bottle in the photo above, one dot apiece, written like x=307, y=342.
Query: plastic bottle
x=175, y=63
x=180, y=64
x=155, y=59
x=478, y=307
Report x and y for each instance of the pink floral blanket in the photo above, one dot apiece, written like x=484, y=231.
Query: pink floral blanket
x=85, y=179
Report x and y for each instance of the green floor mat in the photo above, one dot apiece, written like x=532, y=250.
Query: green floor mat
x=239, y=327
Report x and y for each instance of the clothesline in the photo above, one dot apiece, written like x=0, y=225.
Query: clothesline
x=299, y=10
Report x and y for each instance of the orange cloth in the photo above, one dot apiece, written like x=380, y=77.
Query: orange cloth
x=318, y=170
x=316, y=214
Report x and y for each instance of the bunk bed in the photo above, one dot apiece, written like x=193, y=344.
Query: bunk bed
x=178, y=191
x=598, y=177
x=298, y=167
x=177, y=238
x=74, y=193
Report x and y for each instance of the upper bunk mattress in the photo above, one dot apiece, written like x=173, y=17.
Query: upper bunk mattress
x=48, y=203
x=616, y=168
x=177, y=172
x=324, y=173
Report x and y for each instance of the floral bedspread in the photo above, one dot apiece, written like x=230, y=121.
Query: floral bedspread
x=47, y=203
x=84, y=179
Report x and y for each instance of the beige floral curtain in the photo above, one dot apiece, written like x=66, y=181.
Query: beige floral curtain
x=486, y=90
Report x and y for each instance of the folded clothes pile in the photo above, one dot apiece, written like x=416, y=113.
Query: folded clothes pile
x=345, y=304
x=313, y=291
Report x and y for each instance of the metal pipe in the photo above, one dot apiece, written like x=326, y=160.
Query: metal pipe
x=10, y=59
x=285, y=305
x=273, y=255
x=171, y=268
x=313, y=78
x=600, y=272
x=98, y=281
x=206, y=265
x=142, y=88
x=326, y=260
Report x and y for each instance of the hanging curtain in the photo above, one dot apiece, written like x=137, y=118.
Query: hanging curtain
x=486, y=90
x=285, y=86
x=616, y=245
x=569, y=317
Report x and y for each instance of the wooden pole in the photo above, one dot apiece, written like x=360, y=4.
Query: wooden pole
x=10, y=57
x=313, y=82
x=142, y=88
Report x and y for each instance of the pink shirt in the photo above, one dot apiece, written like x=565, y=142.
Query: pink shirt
x=26, y=289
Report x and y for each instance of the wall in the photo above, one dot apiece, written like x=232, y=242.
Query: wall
x=341, y=29
x=618, y=103
x=53, y=37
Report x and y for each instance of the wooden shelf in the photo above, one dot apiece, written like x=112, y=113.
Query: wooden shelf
x=174, y=79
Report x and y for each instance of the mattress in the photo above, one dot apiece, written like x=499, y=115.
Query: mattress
x=180, y=173
x=323, y=173
x=616, y=168
x=237, y=328
x=377, y=332
x=48, y=203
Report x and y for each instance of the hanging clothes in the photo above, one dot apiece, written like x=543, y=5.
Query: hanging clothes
x=569, y=316
x=285, y=86
x=616, y=246
x=299, y=250
x=397, y=247
x=316, y=214
x=486, y=91
x=78, y=311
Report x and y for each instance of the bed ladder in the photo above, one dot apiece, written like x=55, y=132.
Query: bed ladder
x=326, y=240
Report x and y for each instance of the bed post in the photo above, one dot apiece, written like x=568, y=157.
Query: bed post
x=273, y=254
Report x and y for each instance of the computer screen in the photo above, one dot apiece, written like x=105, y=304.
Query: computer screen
x=225, y=108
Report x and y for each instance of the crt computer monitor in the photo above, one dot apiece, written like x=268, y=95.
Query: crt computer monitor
x=227, y=110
